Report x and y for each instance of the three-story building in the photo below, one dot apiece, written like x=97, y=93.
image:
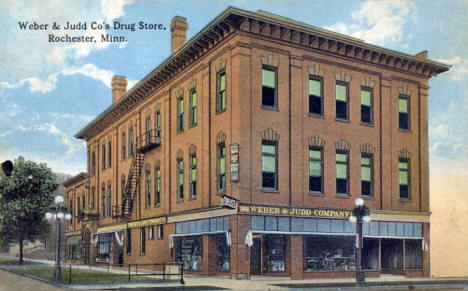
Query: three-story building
x=244, y=151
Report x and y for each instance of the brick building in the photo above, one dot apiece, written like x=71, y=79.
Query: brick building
x=243, y=153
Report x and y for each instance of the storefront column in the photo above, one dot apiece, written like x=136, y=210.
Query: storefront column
x=240, y=253
x=297, y=257
x=426, y=251
x=207, y=255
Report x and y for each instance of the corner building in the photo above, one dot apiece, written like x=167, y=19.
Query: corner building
x=242, y=155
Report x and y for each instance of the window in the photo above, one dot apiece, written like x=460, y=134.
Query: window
x=269, y=165
x=122, y=187
x=79, y=205
x=109, y=201
x=93, y=198
x=193, y=108
x=341, y=159
x=316, y=170
x=103, y=154
x=157, y=120
x=221, y=166
x=269, y=87
x=123, y=149
x=193, y=176
x=366, y=105
x=157, y=186
x=129, y=241
x=341, y=100
x=189, y=252
x=104, y=246
x=403, y=112
x=131, y=139
x=413, y=254
x=366, y=175
x=109, y=154
x=275, y=253
x=180, y=179
x=147, y=187
x=221, y=91
x=329, y=253
x=93, y=163
x=142, y=241
x=151, y=233
x=315, y=96
x=148, y=129
x=180, y=114
x=403, y=178
x=103, y=201
x=223, y=254
x=160, y=231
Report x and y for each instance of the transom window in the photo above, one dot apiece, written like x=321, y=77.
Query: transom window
x=269, y=87
x=315, y=96
x=403, y=112
x=341, y=100
x=315, y=170
x=342, y=175
x=269, y=165
x=221, y=91
x=403, y=178
x=221, y=166
x=366, y=105
x=366, y=175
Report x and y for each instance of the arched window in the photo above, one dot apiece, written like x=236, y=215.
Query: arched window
x=131, y=144
x=123, y=145
x=148, y=185
x=109, y=201
x=103, y=155
x=103, y=200
x=157, y=184
x=109, y=154
x=93, y=163
x=180, y=176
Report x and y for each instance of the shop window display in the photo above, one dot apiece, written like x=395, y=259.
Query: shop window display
x=329, y=253
x=189, y=252
x=413, y=254
x=275, y=253
x=222, y=253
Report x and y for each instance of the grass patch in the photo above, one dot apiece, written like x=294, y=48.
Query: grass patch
x=80, y=276
x=178, y=288
x=373, y=284
x=9, y=262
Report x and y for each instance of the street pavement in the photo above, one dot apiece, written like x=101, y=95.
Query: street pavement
x=14, y=282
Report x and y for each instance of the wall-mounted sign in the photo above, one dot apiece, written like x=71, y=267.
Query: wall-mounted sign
x=234, y=163
x=228, y=202
x=294, y=211
x=146, y=222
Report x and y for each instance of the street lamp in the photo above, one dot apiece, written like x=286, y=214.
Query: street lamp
x=58, y=213
x=360, y=213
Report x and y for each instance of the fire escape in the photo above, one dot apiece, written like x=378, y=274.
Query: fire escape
x=144, y=143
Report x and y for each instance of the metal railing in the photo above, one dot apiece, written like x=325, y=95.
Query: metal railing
x=166, y=272
x=148, y=140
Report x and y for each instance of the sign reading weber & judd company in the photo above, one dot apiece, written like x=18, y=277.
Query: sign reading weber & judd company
x=294, y=211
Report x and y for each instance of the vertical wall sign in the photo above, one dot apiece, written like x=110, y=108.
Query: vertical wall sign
x=234, y=163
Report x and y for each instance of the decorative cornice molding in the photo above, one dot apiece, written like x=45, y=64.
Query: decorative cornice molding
x=270, y=135
x=316, y=141
x=342, y=145
x=404, y=154
x=367, y=149
x=220, y=137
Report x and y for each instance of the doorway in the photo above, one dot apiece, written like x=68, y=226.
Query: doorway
x=87, y=247
x=256, y=257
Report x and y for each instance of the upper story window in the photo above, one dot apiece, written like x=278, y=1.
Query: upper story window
x=221, y=91
x=93, y=163
x=180, y=179
x=367, y=175
x=122, y=187
x=129, y=241
x=93, y=197
x=193, y=118
x=316, y=169
x=109, y=200
x=221, y=166
x=131, y=141
x=157, y=186
x=180, y=114
x=315, y=96
x=147, y=186
x=123, y=146
x=403, y=112
x=148, y=129
x=157, y=120
x=342, y=175
x=366, y=105
x=269, y=165
x=404, y=178
x=341, y=100
x=109, y=154
x=103, y=200
x=269, y=92
x=193, y=176
x=142, y=240
x=103, y=156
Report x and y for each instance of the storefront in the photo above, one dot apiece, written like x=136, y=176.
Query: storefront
x=74, y=248
x=203, y=245
x=109, y=244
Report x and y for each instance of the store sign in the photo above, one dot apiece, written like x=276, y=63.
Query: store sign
x=146, y=222
x=294, y=211
x=228, y=202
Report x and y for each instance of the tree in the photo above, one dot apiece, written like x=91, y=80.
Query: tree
x=25, y=197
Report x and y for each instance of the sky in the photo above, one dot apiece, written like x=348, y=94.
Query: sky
x=49, y=91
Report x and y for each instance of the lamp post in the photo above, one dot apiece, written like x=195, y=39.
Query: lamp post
x=360, y=213
x=58, y=213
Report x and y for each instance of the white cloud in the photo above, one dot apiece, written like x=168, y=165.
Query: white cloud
x=459, y=68
x=3, y=134
x=378, y=22
x=90, y=70
x=35, y=84
x=84, y=117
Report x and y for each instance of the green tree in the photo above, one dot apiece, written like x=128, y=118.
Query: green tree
x=25, y=197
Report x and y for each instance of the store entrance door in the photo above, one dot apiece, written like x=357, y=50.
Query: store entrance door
x=87, y=247
x=256, y=257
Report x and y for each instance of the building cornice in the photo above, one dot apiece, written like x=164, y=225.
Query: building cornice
x=267, y=25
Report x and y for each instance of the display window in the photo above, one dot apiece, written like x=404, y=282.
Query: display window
x=189, y=252
x=329, y=253
x=275, y=253
x=223, y=254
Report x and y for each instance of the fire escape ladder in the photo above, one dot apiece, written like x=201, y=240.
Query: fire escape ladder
x=132, y=183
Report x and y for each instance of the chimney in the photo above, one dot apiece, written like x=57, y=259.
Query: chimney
x=119, y=87
x=179, y=28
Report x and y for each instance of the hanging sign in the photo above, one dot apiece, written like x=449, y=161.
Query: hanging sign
x=234, y=163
